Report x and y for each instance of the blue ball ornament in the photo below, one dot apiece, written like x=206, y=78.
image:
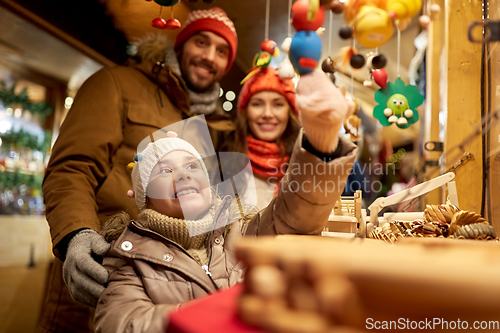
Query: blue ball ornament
x=138, y=157
x=305, y=51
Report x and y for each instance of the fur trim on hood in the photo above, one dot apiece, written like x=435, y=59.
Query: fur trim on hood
x=153, y=47
x=117, y=223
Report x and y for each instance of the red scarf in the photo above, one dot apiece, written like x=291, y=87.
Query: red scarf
x=266, y=158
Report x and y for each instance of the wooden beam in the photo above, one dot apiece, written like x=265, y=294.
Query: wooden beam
x=55, y=31
x=433, y=101
x=463, y=111
x=494, y=147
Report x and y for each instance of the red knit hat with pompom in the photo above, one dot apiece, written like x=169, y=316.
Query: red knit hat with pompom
x=267, y=80
x=214, y=20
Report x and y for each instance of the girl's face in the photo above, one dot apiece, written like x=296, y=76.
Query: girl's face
x=178, y=187
x=267, y=113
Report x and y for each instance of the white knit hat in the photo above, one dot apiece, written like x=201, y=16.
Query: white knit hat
x=145, y=161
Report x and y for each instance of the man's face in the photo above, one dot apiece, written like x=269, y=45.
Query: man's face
x=204, y=60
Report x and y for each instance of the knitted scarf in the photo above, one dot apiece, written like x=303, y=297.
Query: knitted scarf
x=180, y=231
x=266, y=158
x=201, y=103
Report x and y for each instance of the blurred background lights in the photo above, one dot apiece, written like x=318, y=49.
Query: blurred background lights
x=221, y=92
x=18, y=113
x=5, y=126
x=227, y=106
x=230, y=95
x=68, y=102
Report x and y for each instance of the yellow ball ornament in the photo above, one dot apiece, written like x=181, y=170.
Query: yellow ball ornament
x=373, y=27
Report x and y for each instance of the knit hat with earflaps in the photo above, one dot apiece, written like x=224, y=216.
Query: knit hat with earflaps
x=146, y=160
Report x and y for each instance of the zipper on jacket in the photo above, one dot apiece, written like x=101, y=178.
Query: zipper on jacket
x=207, y=266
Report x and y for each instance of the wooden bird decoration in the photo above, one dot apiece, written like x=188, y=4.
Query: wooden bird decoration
x=269, y=49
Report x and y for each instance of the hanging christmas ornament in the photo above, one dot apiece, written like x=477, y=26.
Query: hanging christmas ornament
x=328, y=66
x=403, y=9
x=424, y=21
x=380, y=77
x=285, y=68
x=371, y=23
x=357, y=61
x=335, y=6
x=352, y=125
x=306, y=46
x=372, y=27
x=397, y=104
x=159, y=23
x=434, y=11
x=268, y=49
x=263, y=58
x=305, y=51
x=305, y=18
x=345, y=33
x=171, y=23
x=379, y=61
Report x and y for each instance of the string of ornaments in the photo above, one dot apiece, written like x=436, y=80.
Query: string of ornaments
x=172, y=23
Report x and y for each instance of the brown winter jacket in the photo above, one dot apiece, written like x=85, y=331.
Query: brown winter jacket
x=151, y=275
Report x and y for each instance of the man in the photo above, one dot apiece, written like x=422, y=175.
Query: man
x=87, y=178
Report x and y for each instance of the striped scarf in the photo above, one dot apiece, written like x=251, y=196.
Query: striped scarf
x=266, y=158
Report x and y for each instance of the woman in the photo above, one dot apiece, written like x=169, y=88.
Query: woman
x=267, y=128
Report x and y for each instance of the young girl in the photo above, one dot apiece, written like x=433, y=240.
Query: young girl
x=182, y=245
x=267, y=128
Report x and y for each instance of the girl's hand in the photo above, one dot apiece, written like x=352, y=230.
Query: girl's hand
x=323, y=109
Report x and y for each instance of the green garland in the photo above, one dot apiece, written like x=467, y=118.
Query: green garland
x=9, y=98
x=24, y=139
x=15, y=179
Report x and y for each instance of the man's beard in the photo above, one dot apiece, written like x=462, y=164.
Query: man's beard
x=196, y=87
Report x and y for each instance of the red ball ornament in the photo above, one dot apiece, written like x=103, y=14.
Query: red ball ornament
x=299, y=16
x=173, y=24
x=159, y=23
x=380, y=77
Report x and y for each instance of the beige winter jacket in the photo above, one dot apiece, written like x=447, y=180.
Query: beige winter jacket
x=151, y=275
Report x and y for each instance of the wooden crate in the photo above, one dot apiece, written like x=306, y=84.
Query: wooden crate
x=327, y=283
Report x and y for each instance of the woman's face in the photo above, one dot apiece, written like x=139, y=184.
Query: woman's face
x=267, y=113
x=179, y=187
